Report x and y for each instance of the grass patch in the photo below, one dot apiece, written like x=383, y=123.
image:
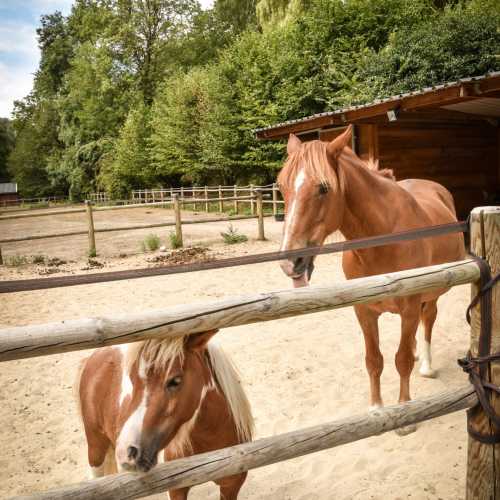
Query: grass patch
x=232, y=236
x=175, y=241
x=151, y=242
x=92, y=253
x=17, y=260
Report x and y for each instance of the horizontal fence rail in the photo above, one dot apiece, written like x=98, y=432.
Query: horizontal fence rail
x=374, y=241
x=40, y=340
x=221, y=463
x=125, y=228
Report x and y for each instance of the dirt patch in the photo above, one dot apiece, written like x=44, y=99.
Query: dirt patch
x=189, y=255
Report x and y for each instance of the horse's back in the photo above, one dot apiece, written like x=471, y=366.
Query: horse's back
x=437, y=207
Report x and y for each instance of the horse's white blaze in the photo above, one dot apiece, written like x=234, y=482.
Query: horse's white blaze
x=130, y=435
x=290, y=216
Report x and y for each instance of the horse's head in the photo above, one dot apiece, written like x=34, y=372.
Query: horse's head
x=167, y=381
x=312, y=189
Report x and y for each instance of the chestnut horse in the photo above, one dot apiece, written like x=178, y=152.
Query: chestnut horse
x=180, y=395
x=327, y=187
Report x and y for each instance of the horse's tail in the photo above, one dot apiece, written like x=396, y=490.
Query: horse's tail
x=228, y=378
x=76, y=387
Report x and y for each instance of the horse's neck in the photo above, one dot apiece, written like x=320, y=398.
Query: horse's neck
x=368, y=201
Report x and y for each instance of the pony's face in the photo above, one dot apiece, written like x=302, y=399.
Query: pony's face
x=162, y=400
x=313, y=198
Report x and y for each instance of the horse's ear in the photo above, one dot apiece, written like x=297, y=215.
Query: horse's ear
x=335, y=147
x=198, y=341
x=293, y=145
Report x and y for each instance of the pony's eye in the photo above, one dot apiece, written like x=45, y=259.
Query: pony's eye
x=173, y=383
x=323, y=188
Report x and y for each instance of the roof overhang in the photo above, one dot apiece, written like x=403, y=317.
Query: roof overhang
x=477, y=97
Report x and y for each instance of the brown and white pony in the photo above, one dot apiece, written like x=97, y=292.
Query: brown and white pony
x=326, y=188
x=180, y=395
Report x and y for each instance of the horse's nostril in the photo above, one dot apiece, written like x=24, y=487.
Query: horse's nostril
x=132, y=452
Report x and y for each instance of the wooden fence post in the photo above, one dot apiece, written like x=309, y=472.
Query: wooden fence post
x=1, y=257
x=221, y=203
x=260, y=216
x=178, y=221
x=275, y=199
x=252, y=202
x=90, y=221
x=235, y=195
x=483, y=460
x=207, y=208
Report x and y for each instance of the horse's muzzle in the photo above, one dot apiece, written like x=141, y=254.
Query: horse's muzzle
x=299, y=269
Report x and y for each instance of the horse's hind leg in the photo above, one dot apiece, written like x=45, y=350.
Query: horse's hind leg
x=428, y=317
x=100, y=455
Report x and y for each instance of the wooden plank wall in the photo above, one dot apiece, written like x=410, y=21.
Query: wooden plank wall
x=465, y=158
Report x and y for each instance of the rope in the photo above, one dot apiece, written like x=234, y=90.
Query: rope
x=357, y=244
x=478, y=367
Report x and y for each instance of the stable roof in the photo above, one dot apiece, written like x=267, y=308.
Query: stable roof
x=478, y=96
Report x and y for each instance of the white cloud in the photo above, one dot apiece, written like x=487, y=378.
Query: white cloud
x=15, y=83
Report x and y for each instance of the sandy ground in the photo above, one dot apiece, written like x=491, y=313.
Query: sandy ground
x=298, y=372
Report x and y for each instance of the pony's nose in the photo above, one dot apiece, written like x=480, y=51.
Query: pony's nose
x=287, y=266
x=132, y=452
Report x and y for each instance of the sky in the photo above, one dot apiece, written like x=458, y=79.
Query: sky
x=19, y=53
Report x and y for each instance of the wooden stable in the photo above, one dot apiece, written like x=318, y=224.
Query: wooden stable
x=449, y=134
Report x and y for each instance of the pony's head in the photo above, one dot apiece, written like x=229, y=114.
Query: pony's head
x=312, y=187
x=162, y=390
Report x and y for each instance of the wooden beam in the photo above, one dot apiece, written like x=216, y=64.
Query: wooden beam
x=483, y=460
x=40, y=340
x=217, y=464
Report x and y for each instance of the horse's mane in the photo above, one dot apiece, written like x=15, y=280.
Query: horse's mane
x=158, y=354
x=313, y=158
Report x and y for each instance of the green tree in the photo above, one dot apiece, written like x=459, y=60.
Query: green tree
x=7, y=141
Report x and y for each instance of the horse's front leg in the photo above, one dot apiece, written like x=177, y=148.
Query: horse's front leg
x=368, y=319
x=405, y=357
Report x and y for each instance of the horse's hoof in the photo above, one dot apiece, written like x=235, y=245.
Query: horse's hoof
x=427, y=372
x=404, y=431
x=374, y=408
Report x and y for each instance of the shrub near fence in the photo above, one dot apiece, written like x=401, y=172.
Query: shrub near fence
x=483, y=480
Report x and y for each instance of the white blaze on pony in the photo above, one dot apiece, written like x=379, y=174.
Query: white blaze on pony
x=173, y=397
x=326, y=188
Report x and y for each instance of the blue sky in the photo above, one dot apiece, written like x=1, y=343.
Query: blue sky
x=19, y=54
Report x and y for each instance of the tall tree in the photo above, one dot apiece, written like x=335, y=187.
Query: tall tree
x=7, y=140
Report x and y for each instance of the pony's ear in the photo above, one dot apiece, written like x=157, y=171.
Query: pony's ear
x=198, y=341
x=335, y=147
x=293, y=145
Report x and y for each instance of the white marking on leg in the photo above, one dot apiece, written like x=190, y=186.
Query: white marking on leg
x=96, y=472
x=290, y=216
x=426, y=366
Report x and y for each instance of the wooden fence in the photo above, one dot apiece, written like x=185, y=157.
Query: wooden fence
x=483, y=480
x=256, y=200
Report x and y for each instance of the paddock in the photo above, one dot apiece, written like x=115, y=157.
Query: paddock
x=287, y=364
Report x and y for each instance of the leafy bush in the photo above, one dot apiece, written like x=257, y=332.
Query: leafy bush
x=151, y=242
x=175, y=242
x=232, y=236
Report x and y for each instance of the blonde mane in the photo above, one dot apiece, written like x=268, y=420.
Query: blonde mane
x=312, y=157
x=161, y=354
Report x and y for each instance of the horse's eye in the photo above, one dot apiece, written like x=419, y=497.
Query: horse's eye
x=173, y=383
x=323, y=188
